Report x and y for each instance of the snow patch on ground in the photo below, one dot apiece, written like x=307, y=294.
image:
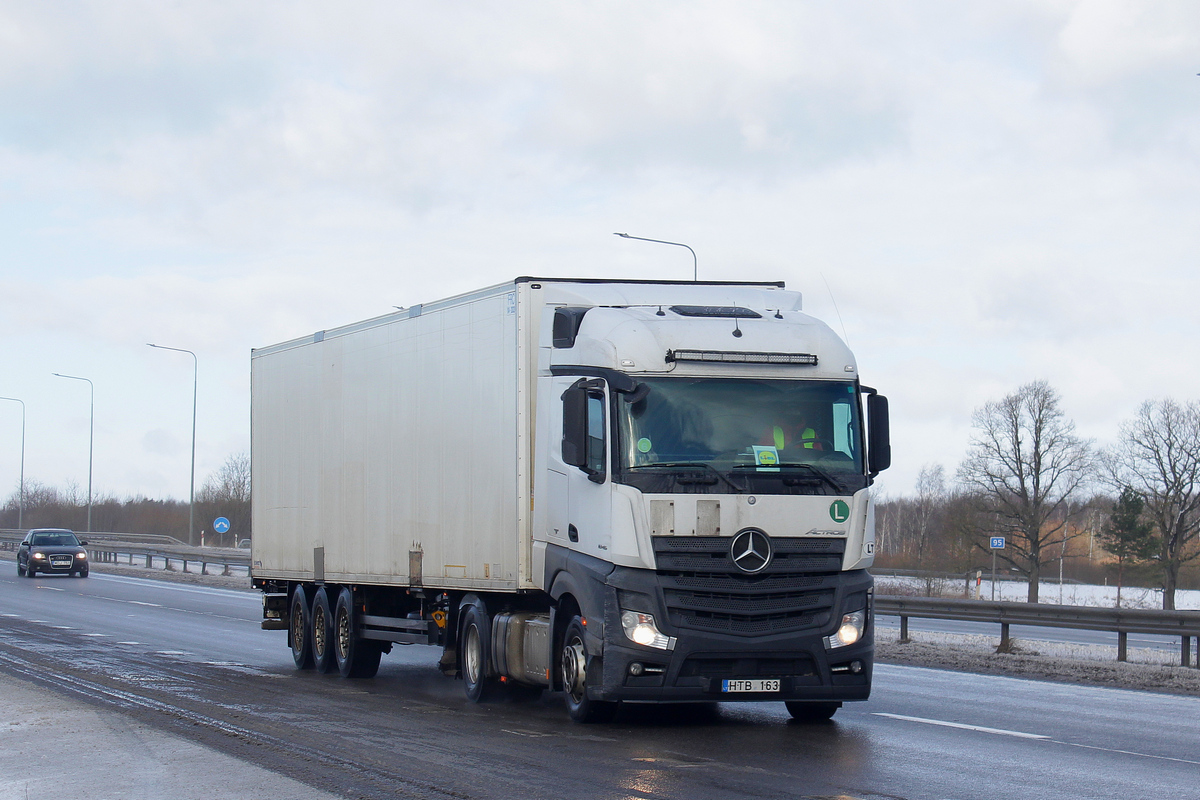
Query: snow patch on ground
x=1080, y=594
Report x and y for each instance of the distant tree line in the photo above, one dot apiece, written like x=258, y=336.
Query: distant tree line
x=226, y=493
x=1130, y=510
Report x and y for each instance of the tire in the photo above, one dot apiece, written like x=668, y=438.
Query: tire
x=475, y=645
x=30, y=571
x=811, y=712
x=321, y=618
x=299, y=629
x=83, y=573
x=20, y=571
x=574, y=659
x=356, y=657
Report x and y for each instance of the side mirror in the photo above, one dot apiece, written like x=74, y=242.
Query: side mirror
x=879, y=446
x=574, y=436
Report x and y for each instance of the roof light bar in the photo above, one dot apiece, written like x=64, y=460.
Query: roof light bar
x=728, y=357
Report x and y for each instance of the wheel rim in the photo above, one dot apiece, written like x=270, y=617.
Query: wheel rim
x=574, y=669
x=473, y=656
x=343, y=633
x=297, y=627
x=319, y=642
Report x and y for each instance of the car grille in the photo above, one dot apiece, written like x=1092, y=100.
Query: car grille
x=744, y=667
x=705, y=591
x=60, y=562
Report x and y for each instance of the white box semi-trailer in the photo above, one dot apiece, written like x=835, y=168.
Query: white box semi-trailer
x=626, y=491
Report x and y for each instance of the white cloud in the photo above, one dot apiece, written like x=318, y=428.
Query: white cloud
x=994, y=193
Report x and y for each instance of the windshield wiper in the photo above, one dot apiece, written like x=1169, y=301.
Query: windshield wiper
x=692, y=465
x=816, y=471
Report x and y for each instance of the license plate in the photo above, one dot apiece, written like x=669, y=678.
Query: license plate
x=757, y=685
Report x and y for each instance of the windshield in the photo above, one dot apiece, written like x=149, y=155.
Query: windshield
x=54, y=539
x=744, y=433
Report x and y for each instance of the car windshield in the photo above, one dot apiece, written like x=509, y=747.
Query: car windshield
x=62, y=539
x=802, y=430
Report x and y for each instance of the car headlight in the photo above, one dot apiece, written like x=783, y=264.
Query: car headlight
x=640, y=629
x=81, y=555
x=39, y=556
x=849, y=632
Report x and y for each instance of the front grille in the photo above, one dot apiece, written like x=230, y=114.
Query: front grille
x=61, y=562
x=704, y=590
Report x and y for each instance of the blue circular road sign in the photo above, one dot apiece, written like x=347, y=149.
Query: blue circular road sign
x=221, y=525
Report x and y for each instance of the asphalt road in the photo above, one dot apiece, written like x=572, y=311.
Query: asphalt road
x=192, y=662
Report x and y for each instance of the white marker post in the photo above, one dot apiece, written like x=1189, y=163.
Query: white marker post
x=997, y=544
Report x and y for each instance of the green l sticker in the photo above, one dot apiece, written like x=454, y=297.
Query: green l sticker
x=839, y=511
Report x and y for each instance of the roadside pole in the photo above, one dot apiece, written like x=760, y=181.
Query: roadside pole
x=997, y=543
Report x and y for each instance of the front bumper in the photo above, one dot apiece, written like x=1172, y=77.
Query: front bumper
x=700, y=662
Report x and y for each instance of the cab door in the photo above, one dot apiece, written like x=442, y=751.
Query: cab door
x=584, y=459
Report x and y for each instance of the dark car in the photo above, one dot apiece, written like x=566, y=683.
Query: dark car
x=52, y=550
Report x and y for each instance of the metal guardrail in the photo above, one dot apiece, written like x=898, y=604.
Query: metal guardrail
x=111, y=553
x=1122, y=621
x=105, y=548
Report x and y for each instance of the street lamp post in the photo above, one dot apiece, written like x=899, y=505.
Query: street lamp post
x=91, y=437
x=192, y=479
x=695, y=266
x=21, y=502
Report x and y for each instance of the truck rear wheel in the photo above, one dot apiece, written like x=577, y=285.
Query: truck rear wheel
x=299, y=629
x=322, y=633
x=476, y=636
x=356, y=657
x=811, y=712
x=574, y=659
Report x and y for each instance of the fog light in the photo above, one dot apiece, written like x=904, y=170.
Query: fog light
x=636, y=669
x=849, y=632
x=640, y=629
x=856, y=667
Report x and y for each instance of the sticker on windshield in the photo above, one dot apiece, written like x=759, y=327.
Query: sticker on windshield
x=644, y=445
x=766, y=457
x=839, y=511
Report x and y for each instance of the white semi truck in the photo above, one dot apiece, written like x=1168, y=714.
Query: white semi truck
x=626, y=491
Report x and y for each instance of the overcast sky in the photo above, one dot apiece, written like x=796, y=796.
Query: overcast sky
x=978, y=194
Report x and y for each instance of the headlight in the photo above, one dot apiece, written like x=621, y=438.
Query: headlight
x=849, y=632
x=39, y=556
x=81, y=555
x=640, y=629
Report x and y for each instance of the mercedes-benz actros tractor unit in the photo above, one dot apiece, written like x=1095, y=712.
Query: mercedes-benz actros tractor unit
x=623, y=491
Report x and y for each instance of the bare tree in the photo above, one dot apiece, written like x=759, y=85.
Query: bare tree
x=1158, y=454
x=227, y=493
x=1023, y=463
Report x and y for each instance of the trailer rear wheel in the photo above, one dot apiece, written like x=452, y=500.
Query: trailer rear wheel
x=356, y=657
x=299, y=629
x=476, y=630
x=811, y=712
x=322, y=633
x=574, y=660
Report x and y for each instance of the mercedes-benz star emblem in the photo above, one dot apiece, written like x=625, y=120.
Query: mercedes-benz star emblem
x=750, y=550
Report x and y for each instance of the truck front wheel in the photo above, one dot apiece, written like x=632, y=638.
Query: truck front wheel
x=475, y=639
x=811, y=712
x=299, y=628
x=574, y=658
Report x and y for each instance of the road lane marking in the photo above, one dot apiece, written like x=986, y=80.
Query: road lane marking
x=128, y=642
x=1047, y=739
x=1126, y=752
x=961, y=726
